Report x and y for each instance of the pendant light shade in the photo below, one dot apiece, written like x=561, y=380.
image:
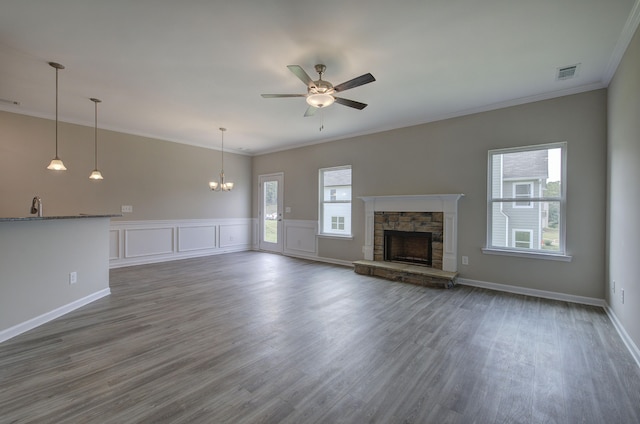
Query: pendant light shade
x=56, y=163
x=221, y=184
x=96, y=174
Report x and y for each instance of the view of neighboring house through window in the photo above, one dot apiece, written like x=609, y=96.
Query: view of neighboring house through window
x=337, y=222
x=523, y=190
x=335, y=201
x=522, y=238
x=526, y=199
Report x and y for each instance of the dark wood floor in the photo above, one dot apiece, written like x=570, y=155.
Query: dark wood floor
x=253, y=337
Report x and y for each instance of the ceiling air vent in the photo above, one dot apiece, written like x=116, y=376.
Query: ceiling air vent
x=567, y=72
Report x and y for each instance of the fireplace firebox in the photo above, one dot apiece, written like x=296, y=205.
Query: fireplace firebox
x=408, y=246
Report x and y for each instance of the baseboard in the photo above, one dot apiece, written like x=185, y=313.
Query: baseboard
x=633, y=349
x=51, y=315
x=311, y=258
x=321, y=259
x=174, y=257
x=533, y=292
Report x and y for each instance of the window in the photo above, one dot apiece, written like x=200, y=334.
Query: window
x=521, y=190
x=535, y=226
x=522, y=238
x=335, y=201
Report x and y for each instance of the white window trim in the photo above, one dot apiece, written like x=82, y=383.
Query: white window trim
x=321, y=202
x=562, y=255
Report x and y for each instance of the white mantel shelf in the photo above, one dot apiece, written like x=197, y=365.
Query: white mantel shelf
x=446, y=203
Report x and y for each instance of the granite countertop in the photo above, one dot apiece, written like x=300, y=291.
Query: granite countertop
x=44, y=218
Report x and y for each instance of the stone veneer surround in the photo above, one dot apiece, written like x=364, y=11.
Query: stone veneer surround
x=445, y=203
x=419, y=222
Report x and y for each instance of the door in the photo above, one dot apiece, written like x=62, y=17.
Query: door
x=270, y=213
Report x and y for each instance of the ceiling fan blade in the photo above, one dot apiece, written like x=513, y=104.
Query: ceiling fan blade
x=271, y=96
x=350, y=103
x=300, y=73
x=356, y=82
x=310, y=111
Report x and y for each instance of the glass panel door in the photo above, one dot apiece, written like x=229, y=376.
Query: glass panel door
x=271, y=225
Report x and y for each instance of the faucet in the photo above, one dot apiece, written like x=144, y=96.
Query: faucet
x=36, y=206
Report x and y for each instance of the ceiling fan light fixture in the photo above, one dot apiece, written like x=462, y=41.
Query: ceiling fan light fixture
x=320, y=93
x=320, y=100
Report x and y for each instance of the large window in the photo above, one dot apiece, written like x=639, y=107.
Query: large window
x=335, y=201
x=526, y=200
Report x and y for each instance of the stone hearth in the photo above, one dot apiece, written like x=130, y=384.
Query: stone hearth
x=437, y=214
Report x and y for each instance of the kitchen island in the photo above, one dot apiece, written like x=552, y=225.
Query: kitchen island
x=50, y=266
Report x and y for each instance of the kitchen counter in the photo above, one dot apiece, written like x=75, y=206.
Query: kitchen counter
x=50, y=266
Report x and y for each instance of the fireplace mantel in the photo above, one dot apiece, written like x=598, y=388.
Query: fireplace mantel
x=446, y=203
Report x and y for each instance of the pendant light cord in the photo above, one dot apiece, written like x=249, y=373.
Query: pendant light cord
x=95, y=134
x=57, y=113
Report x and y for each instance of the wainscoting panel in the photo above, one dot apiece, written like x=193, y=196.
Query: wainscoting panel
x=196, y=238
x=114, y=244
x=142, y=242
x=300, y=237
x=232, y=235
x=147, y=242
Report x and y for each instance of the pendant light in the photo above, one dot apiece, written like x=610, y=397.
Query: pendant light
x=221, y=184
x=96, y=175
x=56, y=163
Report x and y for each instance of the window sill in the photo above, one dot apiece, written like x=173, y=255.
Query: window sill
x=335, y=236
x=531, y=255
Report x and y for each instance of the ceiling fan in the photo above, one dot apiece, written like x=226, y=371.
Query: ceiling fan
x=320, y=93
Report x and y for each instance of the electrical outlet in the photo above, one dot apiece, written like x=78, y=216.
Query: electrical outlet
x=73, y=277
x=613, y=286
x=465, y=260
x=127, y=209
x=622, y=295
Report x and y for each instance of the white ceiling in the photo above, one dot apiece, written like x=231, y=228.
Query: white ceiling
x=178, y=70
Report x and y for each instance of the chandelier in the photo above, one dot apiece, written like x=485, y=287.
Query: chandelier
x=221, y=184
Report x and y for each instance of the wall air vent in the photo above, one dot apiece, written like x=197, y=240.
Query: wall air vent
x=567, y=72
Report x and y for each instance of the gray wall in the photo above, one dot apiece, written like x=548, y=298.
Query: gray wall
x=160, y=179
x=36, y=258
x=623, y=191
x=450, y=156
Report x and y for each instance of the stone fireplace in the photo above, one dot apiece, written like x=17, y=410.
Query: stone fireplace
x=409, y=247
x=408, y=237
x=411, y=239
x=436, y=213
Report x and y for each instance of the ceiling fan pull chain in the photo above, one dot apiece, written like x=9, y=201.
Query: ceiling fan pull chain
x=321, y=119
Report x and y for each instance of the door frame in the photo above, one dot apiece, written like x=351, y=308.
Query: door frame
x=264, y=245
